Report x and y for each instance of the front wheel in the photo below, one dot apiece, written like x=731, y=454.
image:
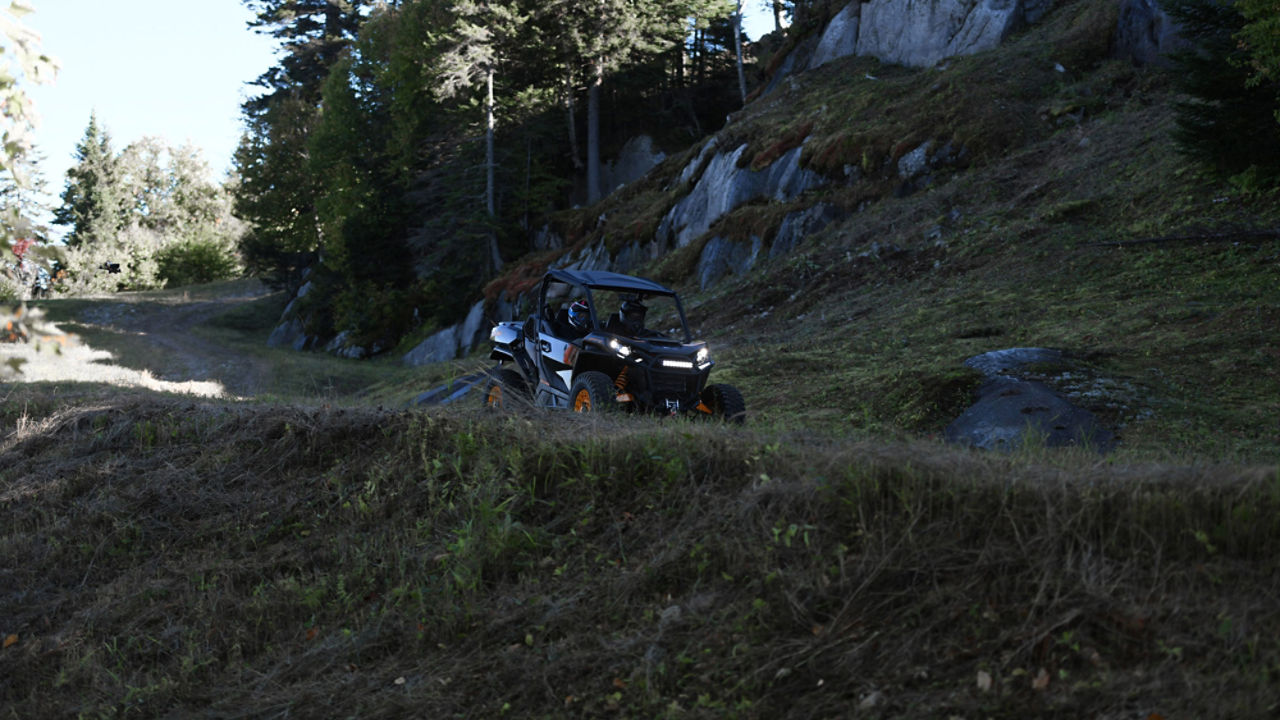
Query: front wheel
x=724, y=402
x=502, y=388
x=593, y=392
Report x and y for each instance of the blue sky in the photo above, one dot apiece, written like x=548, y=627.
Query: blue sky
x=175, y=69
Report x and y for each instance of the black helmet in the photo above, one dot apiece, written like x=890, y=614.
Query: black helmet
x=632, y=313
x=579, y=314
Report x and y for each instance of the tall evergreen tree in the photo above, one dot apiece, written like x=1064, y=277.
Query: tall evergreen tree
x=277, y=193
x=1228, y=124
x=312, y=35
x=483, y=32
x=1261, y=39
x=93, y=206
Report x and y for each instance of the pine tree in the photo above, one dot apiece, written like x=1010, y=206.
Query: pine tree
x=277, y=192
x=483, y=32
x=313, y=34
x=93, y=206
x=1260, y=37
x=1229, y=123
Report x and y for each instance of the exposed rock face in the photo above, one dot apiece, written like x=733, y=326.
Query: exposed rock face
x=1010, y=411
x=440, y=347
x=917, y=33
x=452, y=341
x=920, y=33
x=840, y=39
x=796, y=61
x=722, y=256
x=725, y=186
x=636, y=158
x=1145, y=33
x=289, y=333
x=796, y=226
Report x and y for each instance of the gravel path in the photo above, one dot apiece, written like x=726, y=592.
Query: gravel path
x=182, y=361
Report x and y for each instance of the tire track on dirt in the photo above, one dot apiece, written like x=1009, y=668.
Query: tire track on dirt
x=182, y=355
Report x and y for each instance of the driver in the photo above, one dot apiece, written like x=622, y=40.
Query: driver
x=632, y=315
x=579, y=318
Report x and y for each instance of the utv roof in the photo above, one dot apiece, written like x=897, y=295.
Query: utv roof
x=601, y=280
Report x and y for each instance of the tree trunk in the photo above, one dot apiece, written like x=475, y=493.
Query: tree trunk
x=737, y=47
x=593, y=132
x=495, y=256
x=777, y=15
x=488, y=144
x=571, y=111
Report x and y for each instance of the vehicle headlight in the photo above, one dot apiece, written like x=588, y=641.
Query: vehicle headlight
x=619, y=348
x=703, y=355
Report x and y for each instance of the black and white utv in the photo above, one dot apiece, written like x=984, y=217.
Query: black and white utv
x=602, y=341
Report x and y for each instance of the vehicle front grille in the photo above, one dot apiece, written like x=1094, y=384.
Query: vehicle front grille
x=667, y=383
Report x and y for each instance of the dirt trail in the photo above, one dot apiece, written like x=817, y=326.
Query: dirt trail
x=168, y=323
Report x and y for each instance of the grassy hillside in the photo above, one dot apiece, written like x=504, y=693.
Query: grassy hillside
x=308, y=553
x=1072, y=223
x=171, y=558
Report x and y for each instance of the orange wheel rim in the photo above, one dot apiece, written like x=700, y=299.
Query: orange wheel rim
x=582, y=401
x=495, y=395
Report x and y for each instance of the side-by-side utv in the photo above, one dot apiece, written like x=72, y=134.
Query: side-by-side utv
x=603, y=341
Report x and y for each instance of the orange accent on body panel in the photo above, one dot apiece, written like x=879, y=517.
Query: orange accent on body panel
x=702, y=408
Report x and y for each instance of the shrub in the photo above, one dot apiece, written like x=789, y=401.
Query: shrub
x=194, y=262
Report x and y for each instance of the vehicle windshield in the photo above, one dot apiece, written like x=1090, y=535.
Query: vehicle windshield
x=639, y=315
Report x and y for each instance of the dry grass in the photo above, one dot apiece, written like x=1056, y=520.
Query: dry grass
x=167, y=558
x=195, y=558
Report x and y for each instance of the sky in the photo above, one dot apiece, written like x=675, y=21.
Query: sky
x=174, y=69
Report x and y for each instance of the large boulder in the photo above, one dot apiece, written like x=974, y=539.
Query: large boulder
x=289, y=333
x=473, y=329
x=1011, y=412
x=440, y=347
x=449, y=343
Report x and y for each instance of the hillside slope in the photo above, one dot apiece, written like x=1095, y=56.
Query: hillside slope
x=305, y=554
x=1062, y=216
x=178, y=558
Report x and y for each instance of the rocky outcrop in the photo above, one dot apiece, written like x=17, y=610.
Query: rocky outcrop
x=798, y=225
x=920, y=33
x=292, y=330
x=840, y=39
x=452, y=341
x=637, y=157
x=1145, y=34
x=291, y=333
x=721, y=256
x=723, y=186
x=916, y=33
